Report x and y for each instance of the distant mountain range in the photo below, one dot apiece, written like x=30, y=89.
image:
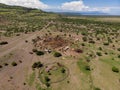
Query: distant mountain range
x=82, y=13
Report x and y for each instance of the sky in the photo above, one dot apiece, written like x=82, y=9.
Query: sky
x=106, y=6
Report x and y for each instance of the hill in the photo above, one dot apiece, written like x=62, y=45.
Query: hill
x=19, y=18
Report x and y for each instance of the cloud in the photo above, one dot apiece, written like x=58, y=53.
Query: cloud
x=80, y=6
x=26, y=3
x=74, y=6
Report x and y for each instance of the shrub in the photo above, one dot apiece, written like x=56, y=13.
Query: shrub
x=83, y=44
x=118, y=49
x=14, y=64
x=68, y=81
x=20, y=61
x=17, y=34
x=6, y=64
x=57, y=54
x=115, y=69
x=106, y=43
x=99, y=53
x=39, y=53
x=26, y=41
x=0, y=66
x=64, y=34
x=83, y=33
x=84, y=38
x=37, y=65
x=118, y=56
x=106, y=53
x=100, y=48
x=48, y=84
x=97, y=89
x=91, y=41
x=3, y=43
x=78, y=50
x=34, y=50
x=24, y=83
x=69, y=35
x=98, y=38
x=87, y=68
x=63, y=70
x=47, y=79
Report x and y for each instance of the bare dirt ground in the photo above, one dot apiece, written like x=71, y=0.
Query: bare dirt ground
x=14, y=78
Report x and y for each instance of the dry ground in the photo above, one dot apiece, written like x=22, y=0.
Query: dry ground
x=22, y=77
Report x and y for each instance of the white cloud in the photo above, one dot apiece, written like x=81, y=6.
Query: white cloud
x=74, y=6
x=26, y=3
x=77, y=5
x=80, y=6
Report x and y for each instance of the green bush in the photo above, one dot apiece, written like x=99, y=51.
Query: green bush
x=100, y=48
x=97, y=89
x=47, y=79
x=83, y=44
x=48, y=84
x=63, y=70
x=87, y=68
x=106, y=53
x=37, y=65
x=39, y=53
x=118, y=49
x=106, y=43
x=118, y=56
x=84, y=33
x=57, y=54
x=3, y=43
x=115, y=69
x=91, y=41
x=14, y=64
x=84, y=38
x=99, y=53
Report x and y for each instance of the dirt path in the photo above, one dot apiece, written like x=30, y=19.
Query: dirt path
x=19, y=42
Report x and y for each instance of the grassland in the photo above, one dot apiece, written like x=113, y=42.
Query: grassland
x=88, y=49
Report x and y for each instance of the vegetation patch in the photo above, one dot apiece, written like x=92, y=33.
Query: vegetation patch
x=39, y=53
x=37, y=65
x=3, y=43
x=115, y=69
x=99, y=53
x=109, y=60
x=38, y=87
x=14, y=64
x=1, y=66
x=84, y=67
x=31, y=79
x=6, y=64
x=97, y=88
x=53, y=73
x=57, y=54
x=78, y=50
x=118, y=49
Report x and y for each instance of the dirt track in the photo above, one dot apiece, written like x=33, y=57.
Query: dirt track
x=20, y=50
x=19, y=42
